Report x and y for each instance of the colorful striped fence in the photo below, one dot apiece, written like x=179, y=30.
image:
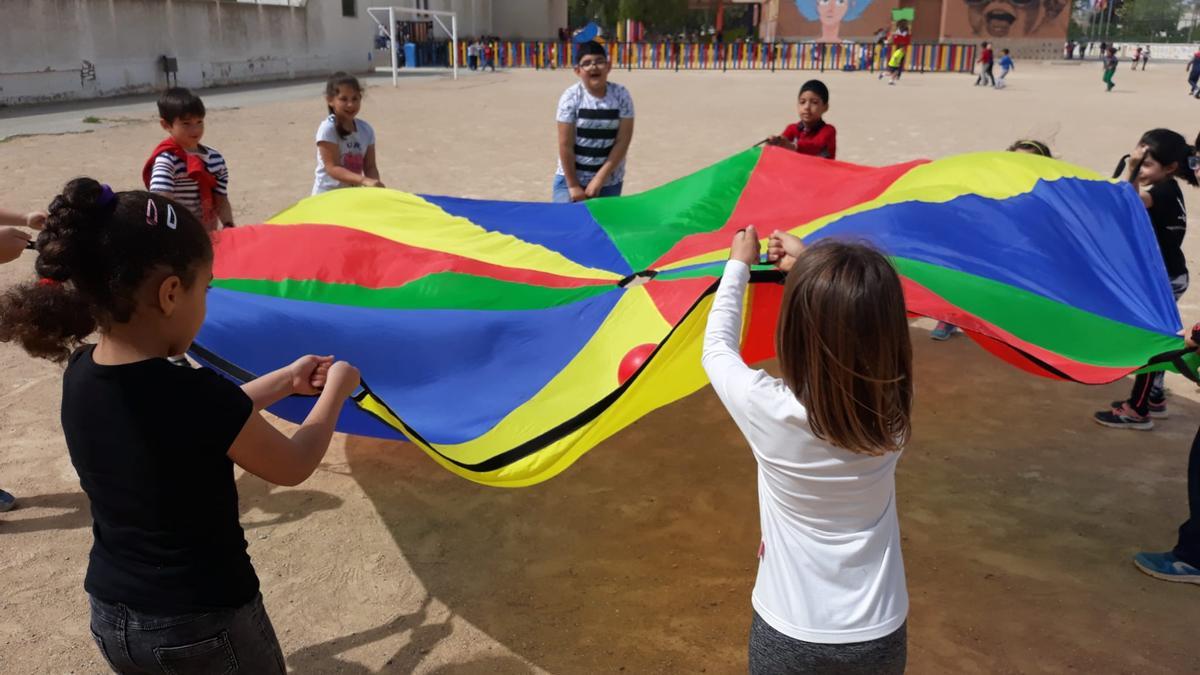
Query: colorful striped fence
x=933, y=58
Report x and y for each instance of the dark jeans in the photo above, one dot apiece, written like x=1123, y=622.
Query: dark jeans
x=135, y=642
x=1187, y=548
x=773, y=653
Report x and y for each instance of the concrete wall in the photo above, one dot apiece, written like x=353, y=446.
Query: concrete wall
x=507, y=19
x=529, y=19
x=53, y=50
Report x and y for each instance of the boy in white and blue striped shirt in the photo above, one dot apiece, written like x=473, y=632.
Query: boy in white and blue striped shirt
x=192, y=174
x=595, y=127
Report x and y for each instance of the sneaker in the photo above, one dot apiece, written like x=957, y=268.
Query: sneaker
x=1167, y=567
x=7, y=501
x=943, y=331
x=1123, y=417
x=1158, y=410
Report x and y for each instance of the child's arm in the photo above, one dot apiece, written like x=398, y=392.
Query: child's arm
x=1132, y=168
x=783, y=248
x=329, y=157
x=722, y=358
x=224, y=209
x=162, y=176
x=34, y=219
x=783, y=140
x=370, y=168
x=619, y=150
x=12, y=243
x=221, y=198
x=566, y=156
x=831, y=147
x=267, y=453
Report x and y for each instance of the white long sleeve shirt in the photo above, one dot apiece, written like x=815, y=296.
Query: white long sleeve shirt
x=830, y=570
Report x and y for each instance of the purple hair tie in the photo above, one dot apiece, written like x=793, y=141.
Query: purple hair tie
x=107, y=199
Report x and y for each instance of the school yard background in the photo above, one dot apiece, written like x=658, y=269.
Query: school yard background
x=1019, y=515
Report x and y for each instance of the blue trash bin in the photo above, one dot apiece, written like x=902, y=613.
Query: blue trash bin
x=410, y=55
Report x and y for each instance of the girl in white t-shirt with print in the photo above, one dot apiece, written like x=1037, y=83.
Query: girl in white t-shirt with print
x=830, y=594
x=345, y=144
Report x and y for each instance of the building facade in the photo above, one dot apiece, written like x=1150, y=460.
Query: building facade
x=1030, y=28
x=61, y=50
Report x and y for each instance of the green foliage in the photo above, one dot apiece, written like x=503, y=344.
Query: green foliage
x=1136, y=21
x=1150, y=19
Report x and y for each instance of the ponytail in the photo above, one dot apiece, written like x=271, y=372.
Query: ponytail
x=46, y=318
x=96, y=250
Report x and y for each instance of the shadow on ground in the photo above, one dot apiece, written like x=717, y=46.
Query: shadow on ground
x=1019, y=518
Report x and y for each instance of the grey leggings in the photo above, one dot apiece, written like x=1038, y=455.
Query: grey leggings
x=773, y=653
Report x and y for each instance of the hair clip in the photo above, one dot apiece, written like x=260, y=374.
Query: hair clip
x=151, y=212
x=171, y=220
x=1194, y=163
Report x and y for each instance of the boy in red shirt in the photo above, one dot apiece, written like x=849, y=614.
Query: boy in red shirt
x=986, y=61
x=811, y=135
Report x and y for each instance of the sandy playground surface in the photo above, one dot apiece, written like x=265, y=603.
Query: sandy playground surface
x=1019, y=515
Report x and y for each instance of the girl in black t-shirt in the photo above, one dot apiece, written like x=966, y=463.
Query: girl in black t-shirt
x=1161, y=157
x=170, y=583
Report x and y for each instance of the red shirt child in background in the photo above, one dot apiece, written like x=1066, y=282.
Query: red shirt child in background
x=811, y=135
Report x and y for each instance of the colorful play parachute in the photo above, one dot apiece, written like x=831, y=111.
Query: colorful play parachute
x=506, y=339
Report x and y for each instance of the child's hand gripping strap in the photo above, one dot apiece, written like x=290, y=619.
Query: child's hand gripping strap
x=1176, y=357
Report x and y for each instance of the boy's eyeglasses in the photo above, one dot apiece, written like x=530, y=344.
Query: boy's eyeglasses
x=598, y=63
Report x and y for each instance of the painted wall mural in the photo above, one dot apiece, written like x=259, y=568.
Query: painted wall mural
x=832, y=20
x=1006, y=19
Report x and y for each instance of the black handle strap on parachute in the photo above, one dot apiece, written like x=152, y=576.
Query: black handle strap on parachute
x=241, y=374
x=1176, y=358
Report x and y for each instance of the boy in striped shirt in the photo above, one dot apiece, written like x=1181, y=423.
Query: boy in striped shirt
x=595, y=126
x=192, y=174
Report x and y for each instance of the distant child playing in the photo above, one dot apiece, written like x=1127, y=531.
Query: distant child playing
x=1110, y=67
x=1006, y=66
x=1161, y=156
x=171, y=587
x=986, y=57
x=901, y=39
x=811, y=135
x=595, y=128
x=184, y=170
x=830, y=595
x=1193, y=69
x=345, y=144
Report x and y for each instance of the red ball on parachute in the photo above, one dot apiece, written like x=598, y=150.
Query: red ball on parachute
x=634, y=360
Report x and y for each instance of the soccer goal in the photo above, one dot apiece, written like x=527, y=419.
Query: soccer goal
x=378, y=14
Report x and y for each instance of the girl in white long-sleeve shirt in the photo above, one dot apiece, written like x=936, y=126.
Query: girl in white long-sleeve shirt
x=830, y=594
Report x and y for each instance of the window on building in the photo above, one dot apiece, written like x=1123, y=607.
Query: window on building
x=349, y=8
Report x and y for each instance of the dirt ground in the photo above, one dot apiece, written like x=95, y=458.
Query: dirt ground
x=1019, y=515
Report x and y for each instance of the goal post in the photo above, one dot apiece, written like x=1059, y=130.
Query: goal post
x=390, y=29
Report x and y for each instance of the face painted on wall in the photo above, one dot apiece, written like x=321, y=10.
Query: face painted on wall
x=831, y=14
x=1011, y=18
x=832, y=11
